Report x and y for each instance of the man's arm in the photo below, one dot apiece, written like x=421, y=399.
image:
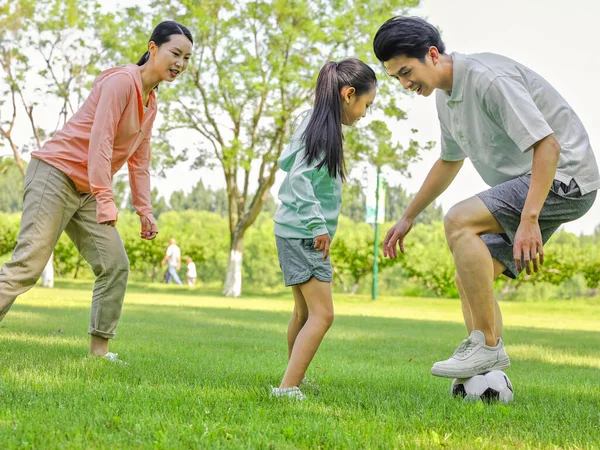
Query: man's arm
x=439, y=178
x=528, y=239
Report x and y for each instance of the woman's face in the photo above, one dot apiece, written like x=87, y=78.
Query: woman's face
x=171, y=58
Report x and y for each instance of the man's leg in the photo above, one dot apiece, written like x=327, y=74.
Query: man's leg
x=464, y=224
x=475, y=272
x=499, y=268
x=174, y=275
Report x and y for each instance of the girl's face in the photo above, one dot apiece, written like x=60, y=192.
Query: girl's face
x=171, y=58
x=354, y=107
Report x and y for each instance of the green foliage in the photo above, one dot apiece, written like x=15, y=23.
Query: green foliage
x=352, y=254
x=428, y=259
x=11, y=186
x=9, y=230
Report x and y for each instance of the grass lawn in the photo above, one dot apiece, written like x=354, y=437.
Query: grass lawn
x=199, y=368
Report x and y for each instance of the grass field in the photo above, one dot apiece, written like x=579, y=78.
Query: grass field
x=199, y=368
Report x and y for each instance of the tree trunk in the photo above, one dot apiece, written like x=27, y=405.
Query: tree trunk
x=48, y=273
x=233, y=280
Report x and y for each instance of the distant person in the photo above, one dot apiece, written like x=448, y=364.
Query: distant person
x=191, y=273
x=173, y=260
x=525, y=141
x=311, y=200
x=68, y=184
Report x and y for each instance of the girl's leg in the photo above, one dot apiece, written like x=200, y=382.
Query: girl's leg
x=320, y=317
x=49, y=201
x=299, y=318
x=102, y=248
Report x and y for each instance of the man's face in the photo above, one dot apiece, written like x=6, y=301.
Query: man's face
x=414, y=75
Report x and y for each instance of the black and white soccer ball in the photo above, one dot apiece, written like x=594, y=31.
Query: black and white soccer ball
x=489, y=387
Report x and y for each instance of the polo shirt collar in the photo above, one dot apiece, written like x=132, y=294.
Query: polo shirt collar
x=459, y=67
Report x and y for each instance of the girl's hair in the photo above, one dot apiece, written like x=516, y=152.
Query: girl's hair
x=162, y=33
x=323, y=134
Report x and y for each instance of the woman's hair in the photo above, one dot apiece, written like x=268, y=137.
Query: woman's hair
x=406, y=36
x=162, y=33
x=323, y=134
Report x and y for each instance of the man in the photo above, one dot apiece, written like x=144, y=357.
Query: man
x=173, y=258
x=524, y=140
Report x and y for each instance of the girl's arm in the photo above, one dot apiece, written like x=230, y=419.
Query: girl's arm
x=308, y=205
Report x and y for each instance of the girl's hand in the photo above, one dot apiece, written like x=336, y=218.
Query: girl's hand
x=149, y=228
x=323, y=242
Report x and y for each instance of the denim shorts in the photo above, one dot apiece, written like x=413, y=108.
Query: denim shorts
x=299, y=261
x=506, y=202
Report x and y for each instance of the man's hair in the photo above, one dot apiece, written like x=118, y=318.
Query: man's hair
x=406, y=36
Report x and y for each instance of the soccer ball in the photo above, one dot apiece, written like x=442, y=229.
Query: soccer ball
x=489, y=387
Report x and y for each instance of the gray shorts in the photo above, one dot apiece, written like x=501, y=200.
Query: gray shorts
x=506, y=201
x=299, y=261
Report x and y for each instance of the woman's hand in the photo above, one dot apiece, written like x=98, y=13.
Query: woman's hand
x=149, y=228
x=111, y=223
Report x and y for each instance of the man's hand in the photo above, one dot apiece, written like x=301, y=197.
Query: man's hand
x=323, y=243
x=394, y=236
x=149, y=228
x=528, y=245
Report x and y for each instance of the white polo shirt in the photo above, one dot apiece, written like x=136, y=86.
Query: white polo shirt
x=498, y=109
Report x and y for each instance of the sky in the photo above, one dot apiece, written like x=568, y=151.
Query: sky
x=553, y=37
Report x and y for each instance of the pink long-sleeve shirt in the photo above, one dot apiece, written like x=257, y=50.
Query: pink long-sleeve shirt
x=110, y=128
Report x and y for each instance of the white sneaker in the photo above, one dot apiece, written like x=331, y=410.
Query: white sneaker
x=472, y=357
x=292, y=392
x=113, y=358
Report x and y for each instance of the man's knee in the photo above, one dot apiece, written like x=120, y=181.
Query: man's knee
x=456, y=223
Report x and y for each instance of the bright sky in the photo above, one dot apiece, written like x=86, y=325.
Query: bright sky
x=554, y=38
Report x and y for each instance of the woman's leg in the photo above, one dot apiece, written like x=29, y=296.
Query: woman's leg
x=320, y=317
x=49, y=201
x=102, y=248
x=299, y=318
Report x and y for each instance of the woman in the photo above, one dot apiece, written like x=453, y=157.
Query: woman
x=68, y=183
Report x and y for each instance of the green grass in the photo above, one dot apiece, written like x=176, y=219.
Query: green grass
x=200, y=366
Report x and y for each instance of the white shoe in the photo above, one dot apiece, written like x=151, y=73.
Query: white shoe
x=472, y=357
x=113, y=358
x=292, y=392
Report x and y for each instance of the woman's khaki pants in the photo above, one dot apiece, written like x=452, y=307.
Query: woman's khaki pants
x=51, y=205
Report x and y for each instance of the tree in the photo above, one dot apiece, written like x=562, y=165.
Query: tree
x=354, y=201
x=59, y=32
x=374, y=146
x=252, y=72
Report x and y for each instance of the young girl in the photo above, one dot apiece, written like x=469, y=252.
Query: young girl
x=311, y=199
x=68, y=183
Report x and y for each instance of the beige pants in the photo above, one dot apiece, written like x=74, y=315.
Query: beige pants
x=51, y=205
